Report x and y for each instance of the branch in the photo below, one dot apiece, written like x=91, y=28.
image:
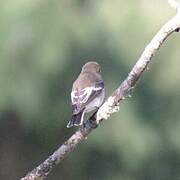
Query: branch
x=111, y=105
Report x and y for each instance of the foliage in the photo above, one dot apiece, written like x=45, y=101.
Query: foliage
x=43, y=45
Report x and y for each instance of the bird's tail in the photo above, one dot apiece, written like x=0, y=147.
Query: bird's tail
x=76, y=120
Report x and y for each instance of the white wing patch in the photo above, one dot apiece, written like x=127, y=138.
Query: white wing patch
x=74, y=97
x=86, y=94
x=83, y=95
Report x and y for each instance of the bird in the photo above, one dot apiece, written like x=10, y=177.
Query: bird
x=87, y=93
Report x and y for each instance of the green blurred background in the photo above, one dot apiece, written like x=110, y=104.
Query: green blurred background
x=43, y=45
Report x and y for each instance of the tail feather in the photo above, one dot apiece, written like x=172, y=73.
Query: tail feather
x=76, y=120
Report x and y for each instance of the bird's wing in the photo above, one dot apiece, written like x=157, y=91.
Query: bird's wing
x=83, y=97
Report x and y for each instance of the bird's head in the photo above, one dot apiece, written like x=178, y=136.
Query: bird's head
x=92, y=66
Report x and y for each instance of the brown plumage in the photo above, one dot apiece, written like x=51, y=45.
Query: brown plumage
x=87, y=92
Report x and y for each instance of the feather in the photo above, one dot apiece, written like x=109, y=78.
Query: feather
x=80, y=99
x=87, y=92
x=76, y=119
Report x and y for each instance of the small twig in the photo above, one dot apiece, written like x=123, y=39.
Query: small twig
x=111, y=104
x=174, y=4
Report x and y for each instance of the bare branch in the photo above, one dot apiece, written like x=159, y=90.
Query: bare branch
x=111, y=104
